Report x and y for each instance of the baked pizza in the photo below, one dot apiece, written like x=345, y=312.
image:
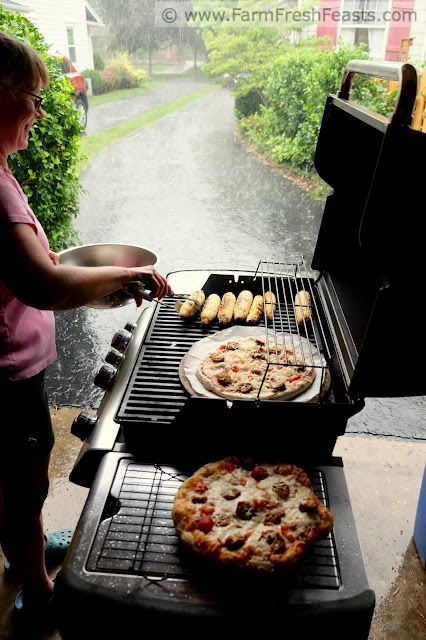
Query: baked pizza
x=259, y=517
x=239, y=369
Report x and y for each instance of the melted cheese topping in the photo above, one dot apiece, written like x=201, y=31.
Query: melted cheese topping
x=248, y=364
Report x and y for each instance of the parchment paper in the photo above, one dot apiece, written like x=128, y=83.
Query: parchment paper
x=205, y=345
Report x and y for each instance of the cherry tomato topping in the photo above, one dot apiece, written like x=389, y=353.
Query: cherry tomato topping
x=205, y=523
x=200, y=487
x=296, y=377
x=208, y=510
x=230, y=466
x=285, y=531
x=259, y=473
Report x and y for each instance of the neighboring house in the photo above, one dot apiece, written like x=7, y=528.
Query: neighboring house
x=66, y=26
x=382, y=26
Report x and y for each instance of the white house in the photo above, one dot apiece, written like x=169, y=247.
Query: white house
x=66, y=25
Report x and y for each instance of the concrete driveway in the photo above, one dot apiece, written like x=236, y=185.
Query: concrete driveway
x=109, y=114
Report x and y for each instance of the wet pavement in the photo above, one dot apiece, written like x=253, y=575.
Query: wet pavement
x=109, y=114
x=187, y=189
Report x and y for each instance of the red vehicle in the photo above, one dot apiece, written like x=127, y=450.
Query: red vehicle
x=81, y=102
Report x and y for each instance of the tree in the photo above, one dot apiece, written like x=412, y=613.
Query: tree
x=47, y=169
x=132, y=27
x=249, y=47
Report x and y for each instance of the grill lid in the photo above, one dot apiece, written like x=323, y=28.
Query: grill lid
x=369, y=246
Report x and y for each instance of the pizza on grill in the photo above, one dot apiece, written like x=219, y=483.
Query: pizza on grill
x=259, y=517
x=239, y=368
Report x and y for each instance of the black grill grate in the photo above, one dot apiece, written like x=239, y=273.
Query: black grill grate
x=137, y=535
x=155, y=394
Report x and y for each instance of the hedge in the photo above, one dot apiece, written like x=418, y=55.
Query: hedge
x=287, y=129
x=118, y=74
x=47, y=169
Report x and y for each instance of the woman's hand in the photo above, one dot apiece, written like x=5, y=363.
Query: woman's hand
x=37, y=280
x=154, y=282
x=54, y=257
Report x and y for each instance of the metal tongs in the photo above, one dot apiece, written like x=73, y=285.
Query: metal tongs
x=137, y=288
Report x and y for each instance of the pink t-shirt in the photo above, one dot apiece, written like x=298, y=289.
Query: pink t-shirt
x=27, y=335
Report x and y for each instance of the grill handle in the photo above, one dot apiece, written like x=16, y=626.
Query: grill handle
x=402, y=72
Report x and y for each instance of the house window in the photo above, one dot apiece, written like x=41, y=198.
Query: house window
x=71, y=44
x=363, y=22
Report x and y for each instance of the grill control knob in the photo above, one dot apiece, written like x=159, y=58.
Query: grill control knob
x=130, y=327
x=105, y=376
x=121, y=339
x=83, y=425
x=113, y=357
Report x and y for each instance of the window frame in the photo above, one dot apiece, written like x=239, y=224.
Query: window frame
x=72, y=47
x=365, y=25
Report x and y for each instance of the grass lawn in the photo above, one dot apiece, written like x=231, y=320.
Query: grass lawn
x=123, y=93
x=94, y=144
x=154, y=67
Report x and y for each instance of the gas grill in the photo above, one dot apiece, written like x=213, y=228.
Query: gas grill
x=125, y=566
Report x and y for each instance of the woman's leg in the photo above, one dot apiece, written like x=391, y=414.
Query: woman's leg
x=24, y=488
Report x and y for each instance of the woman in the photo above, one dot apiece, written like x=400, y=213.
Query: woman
x=32, y=285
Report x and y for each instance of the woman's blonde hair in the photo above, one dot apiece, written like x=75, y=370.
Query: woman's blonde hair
x=21, y=65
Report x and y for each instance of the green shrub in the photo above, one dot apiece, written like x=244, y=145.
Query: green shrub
x=248, y=104
x=109, y=80
x=47, y=169
x=287, y=129
x=98, y=84
x=120, y=60
x=98, y=61
x=123, y=79
x=115, y=79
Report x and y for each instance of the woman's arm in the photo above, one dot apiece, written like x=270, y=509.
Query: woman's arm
x=34, y=278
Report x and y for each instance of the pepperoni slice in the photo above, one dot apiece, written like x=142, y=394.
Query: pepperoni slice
x=259, y=473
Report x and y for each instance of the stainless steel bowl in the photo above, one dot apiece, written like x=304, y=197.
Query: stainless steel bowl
x=105, y=255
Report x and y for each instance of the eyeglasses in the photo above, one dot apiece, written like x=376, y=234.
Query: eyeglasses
x=38, y=99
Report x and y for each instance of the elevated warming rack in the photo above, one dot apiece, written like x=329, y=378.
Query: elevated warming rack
x=285, y=280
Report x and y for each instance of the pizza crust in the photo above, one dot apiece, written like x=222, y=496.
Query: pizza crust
x=259, y=517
